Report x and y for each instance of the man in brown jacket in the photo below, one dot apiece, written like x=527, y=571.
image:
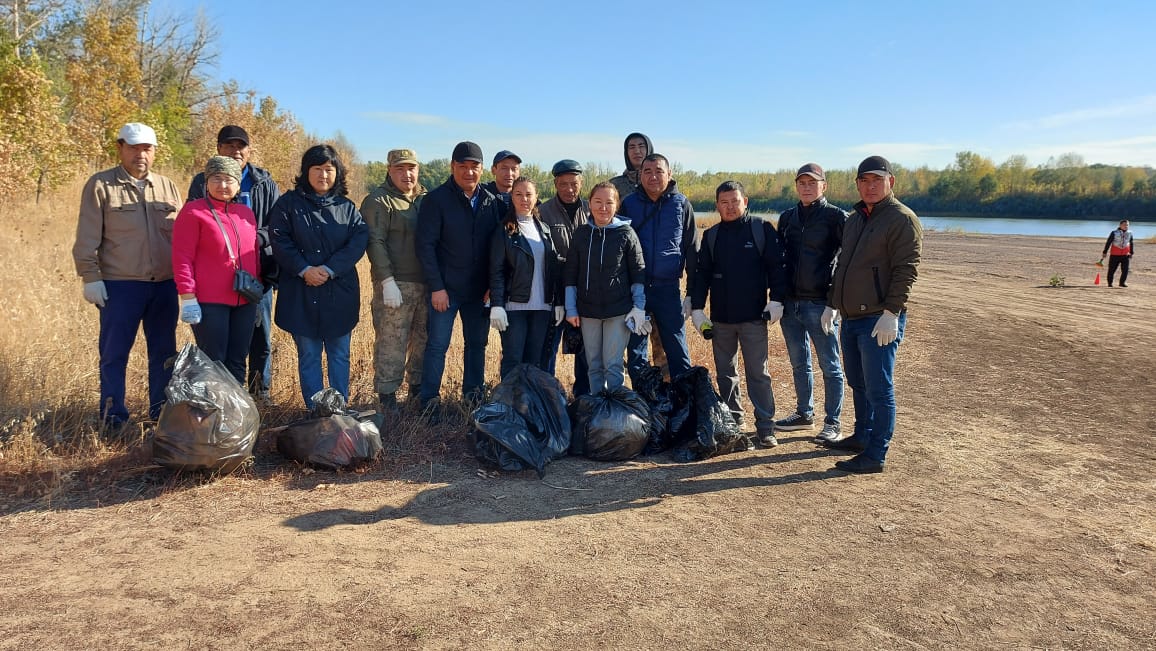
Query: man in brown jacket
x=123, y=252
x=882, y=243
x=399, y=296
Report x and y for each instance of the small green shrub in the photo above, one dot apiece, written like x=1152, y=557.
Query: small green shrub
x=1056, y=280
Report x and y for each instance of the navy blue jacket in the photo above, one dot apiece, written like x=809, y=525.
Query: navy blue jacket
x=307, y=230
x=811, y=236
x=736, y=276
x=512, y=267
x=453, y=240
x=667, y=232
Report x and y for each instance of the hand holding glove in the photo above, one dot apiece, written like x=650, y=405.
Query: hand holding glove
x=829, y=320
x=886, y=328
x=95, y=293
x=774, y=311
x=686, y=309
x=698, y=318
x=390, y=293
x=634, y=320
x=498, y=319
x=559, y=315
x=190, y=311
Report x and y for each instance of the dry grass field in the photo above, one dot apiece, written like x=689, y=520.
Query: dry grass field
x=1017, y=510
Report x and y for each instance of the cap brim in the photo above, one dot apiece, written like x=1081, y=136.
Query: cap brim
x=875, y=172
x=810, y=174
x=405, y=161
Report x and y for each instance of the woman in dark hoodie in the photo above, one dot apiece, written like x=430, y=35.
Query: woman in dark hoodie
x=636, y=147
x=604, y=288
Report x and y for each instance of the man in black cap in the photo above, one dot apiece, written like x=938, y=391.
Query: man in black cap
x=454, y=226
x=259, y=193
x=812, y=231
x=506, y=169
x=564, y=213
x=882, y=243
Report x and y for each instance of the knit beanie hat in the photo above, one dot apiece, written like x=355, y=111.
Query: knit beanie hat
x=223, y=165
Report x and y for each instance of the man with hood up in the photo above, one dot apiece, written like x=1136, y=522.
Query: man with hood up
x=636, y=147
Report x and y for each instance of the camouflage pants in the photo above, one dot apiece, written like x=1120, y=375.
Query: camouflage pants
x=399, y=337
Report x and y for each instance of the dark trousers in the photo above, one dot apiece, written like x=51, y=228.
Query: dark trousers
x=665, y=309
x=132, y=304
x=1120, y=261
x=261, y=346
x=475, y=332
x=524, y=338
x=225, y=333
x=550, y=359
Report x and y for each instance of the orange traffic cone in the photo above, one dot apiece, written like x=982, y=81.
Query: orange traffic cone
x=1097, y=280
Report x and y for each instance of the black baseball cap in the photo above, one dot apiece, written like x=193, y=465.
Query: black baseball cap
x=876, y=165
x=467, y=151
x=812, y=170
x=504, y=154
x=232, y=132
x=566, y=166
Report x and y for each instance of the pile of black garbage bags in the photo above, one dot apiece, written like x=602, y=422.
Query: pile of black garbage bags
x=527, y=423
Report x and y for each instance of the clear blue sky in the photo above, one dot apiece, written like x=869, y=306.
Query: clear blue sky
x=735, y=86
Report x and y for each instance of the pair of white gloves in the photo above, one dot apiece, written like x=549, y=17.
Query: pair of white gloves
x=886, y=328
x=499, y=320
x=773, y=310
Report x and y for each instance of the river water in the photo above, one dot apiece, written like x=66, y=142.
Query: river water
x=1013, y=226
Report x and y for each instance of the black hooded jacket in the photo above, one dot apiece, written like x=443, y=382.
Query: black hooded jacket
x=627, y=182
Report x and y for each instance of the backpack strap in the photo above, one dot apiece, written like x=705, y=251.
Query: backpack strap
x=758, y=234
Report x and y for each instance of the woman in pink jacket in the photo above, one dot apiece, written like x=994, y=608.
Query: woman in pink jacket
x=212, y=238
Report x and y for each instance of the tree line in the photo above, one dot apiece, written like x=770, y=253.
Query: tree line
x=69, y=78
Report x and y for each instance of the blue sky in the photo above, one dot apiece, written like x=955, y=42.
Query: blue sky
x=734, y=86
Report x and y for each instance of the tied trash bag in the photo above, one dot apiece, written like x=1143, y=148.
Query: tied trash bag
x=611, y=426
x=336, y=441
x=329, y=402
x=208, y=422
x=532, y=430
x=709, y=428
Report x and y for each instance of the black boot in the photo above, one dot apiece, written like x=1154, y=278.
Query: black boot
x=388, y=402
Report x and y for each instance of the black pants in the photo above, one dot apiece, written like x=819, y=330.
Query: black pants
x=224, y=334
x=1120, y=261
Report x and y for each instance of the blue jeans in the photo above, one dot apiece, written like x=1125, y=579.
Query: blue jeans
x=604, y=341
x=870, y=369
x=133, y=304
x=524, y=338
x=261, y=346
x=475, y=332
x=664, y=306
x=801, y=326
x=550, y=359
x=224, y=334
x=309, y=365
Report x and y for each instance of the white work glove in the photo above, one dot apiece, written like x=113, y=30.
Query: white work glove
x=686, y=308
x=190, y=311
x=886, y=328
x=390, y=293
x=95, y=293
x=829, y=320
x=559, y=315
x=638, y=318
x=498, y=319
x=698, y=317
x=774, y=311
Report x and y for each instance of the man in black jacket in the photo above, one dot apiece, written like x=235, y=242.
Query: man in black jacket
x=741, y=266
x=454, y=226
x=812, y=232
x=259, y=193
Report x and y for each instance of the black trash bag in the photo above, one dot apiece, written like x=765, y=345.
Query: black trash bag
x=329, y=402
x=332, y=442
x=658, y=395
x=714, y=429
x=613, y=425
x=501, y=439
x=539, y=398
x=209, y=422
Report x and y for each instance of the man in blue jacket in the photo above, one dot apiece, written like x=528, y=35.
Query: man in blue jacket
x=454, y=226
x=258, y=192
x=663, y=219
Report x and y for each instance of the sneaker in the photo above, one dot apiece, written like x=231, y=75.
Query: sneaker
x=767, y=439
x=859, y=464
x=795, y=422
x=1123, y=284
x=828, y=434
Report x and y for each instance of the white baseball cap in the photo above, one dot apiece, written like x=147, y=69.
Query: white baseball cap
x=135, y=133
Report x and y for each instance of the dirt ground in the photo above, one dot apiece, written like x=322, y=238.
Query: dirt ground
x=1017, y=511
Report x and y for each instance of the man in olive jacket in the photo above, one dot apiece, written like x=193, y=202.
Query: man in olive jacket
x=399, y=289
x=882, y=243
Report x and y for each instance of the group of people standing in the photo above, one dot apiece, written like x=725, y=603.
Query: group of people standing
x=600, y=277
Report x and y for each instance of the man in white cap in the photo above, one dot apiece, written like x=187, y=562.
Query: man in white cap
x=123, y=252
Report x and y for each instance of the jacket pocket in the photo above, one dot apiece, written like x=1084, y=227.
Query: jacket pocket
x=878, y=285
